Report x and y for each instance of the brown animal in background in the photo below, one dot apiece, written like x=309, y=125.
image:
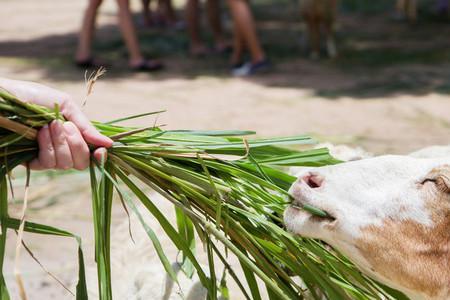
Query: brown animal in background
x=320, y=15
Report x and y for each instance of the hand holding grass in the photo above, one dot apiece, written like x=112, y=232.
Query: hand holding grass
x=62, y=145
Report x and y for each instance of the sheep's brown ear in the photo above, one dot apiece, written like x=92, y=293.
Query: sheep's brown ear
x=441, y=175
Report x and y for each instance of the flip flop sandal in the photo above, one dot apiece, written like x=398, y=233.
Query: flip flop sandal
x=90, y=63
x=148, y=66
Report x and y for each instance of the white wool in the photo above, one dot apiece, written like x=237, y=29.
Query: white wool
x=344, y=152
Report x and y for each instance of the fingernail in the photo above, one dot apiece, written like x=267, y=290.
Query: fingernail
x=70, y=128
x=57, y=127
x=103, y=155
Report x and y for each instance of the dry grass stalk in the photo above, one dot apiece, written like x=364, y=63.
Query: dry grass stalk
x=25, y=131
x=90, y=81
x=17, y=273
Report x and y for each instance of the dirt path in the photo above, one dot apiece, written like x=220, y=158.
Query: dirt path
x=382, y=107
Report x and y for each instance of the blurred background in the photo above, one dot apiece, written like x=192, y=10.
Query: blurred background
x=385, y=88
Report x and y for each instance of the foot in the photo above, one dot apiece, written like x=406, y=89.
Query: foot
x=250, y=68
x=147, y=66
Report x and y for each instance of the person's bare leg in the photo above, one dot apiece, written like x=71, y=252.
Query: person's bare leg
x=314, y=37
x=129, y=33
x=238, y=47
x=329, y=39
x=193, y=26
x=171, y=15
x=244, y=23
x=166, y=10
x=83, y=52
x=330, y=20
x=400, y=7
x=214, y=18
x=147, y=13
x=411, y=10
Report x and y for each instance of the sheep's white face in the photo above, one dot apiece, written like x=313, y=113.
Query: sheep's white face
x=389, y=214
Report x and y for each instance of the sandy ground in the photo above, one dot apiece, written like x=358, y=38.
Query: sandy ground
x=37, y=44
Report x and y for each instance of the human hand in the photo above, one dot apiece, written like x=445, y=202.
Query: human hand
x=61, y=145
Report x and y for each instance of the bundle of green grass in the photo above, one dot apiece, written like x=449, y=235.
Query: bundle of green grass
x=228, y=190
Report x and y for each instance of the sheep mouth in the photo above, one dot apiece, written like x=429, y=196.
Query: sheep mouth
x=316, y=214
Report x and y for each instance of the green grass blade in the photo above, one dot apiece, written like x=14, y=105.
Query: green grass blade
x=230, y=271
x=101, y=196
x=316, y=157
x=246, y=260
x=212, y=289
x=179, y=242
x=81, y=288
x=251, y=280
x=150, y=233
x=224, y=290
x=134, y=117
x=221, y=133
x=186, y=229
x=4, y=295
x=216, y=194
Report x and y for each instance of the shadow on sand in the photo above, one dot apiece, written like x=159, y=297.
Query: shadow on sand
x=378, y=57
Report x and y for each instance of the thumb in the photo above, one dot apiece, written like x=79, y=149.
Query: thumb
x=93, y=137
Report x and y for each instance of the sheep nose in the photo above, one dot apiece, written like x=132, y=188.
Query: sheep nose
x=313, y=180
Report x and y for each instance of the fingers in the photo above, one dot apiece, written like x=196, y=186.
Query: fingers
x=63, y=156
x=46, y=158
x=73, y=113
x=78, y=147
x=61, y=146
